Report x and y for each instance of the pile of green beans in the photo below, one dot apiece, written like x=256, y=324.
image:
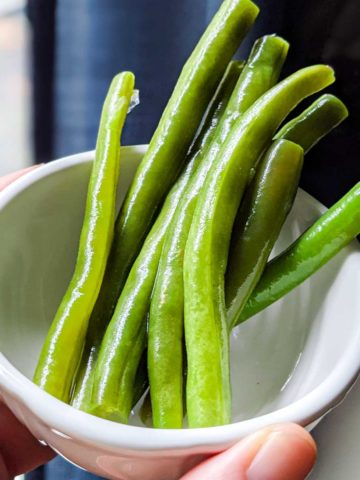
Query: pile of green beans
x=144, y=268
x=166, y=155
x=166, y=320
x=109, y=392
x=155, y=294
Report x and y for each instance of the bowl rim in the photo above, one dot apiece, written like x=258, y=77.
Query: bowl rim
x=93, y=430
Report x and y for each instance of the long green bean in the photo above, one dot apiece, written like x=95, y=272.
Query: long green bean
x=63, y=346
x=264, y=209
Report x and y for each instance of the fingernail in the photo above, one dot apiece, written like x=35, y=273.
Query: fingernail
x=288, y=452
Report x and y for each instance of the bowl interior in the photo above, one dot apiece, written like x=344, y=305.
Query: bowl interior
x=277, y=357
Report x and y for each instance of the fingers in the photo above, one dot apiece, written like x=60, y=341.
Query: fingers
x=281, y=452
x=4, y=474
x=7, y=179
x=19, y=450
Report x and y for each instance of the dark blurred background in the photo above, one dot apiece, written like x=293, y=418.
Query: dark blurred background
x=78, y=46
x=72, y=50
x=57, y=58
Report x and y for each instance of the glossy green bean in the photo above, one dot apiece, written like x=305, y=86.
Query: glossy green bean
x=206, y=252
x=165, y=364
x=62, y=349
x=168, y=147
x=264, y=209
x=144, y=269
x=316, y=246
x=133, y=305
x=323, y=115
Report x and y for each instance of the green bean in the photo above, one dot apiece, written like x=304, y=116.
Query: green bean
x=166, y=313
x=208, y=380
x=168, y=147
x=133, y=305
x=150, y=251
x=316, y=246
x=62, y=349
x=264, y=209
x=323, y=115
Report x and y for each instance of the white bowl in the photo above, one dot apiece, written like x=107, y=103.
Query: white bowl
x=291, y=363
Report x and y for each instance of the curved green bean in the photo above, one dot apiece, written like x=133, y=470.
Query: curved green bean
x=150, y=251
x=133, y=305
x=165, y=364
x=316, y=246
x=264, y=209
x=323, y=115
x=208, y=380
x=61, y=352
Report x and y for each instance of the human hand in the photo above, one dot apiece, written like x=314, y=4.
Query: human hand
x=281, y=452
x=19, y=451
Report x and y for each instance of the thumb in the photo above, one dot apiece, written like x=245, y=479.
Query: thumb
x=281, y=452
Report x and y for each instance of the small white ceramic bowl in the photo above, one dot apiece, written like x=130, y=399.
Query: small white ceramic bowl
x=292, y=363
